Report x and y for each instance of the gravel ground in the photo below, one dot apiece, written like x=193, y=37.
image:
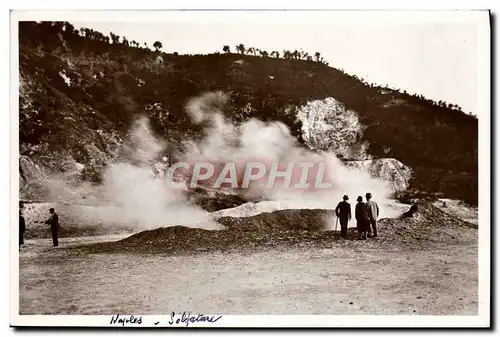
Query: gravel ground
x=350, y=277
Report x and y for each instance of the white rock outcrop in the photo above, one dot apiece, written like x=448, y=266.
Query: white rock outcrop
x=328, y=126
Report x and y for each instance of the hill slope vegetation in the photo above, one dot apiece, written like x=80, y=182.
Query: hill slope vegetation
x=80, y=91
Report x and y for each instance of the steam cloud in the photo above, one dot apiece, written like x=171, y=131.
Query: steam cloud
x=271, y=142
x=130, y=196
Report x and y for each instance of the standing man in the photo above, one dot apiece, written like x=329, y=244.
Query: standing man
x=343, y=212
x=53, y=221
x=362, y=218
x=373, y=212
x=22, y=225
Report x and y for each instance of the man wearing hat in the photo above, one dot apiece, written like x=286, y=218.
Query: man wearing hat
x=53, y=221
x=373, y=212
x=343, y=212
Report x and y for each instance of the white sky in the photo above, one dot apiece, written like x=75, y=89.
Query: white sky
x=437, y=57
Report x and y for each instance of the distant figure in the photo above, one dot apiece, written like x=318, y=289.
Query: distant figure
x=362, y=218
x=22, y=227
x=53, y=221
x=343, y=212
x=373, y=212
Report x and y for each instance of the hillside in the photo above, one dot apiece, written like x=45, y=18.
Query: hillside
x=80, y=92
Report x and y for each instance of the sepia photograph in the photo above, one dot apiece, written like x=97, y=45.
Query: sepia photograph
x=250, y=168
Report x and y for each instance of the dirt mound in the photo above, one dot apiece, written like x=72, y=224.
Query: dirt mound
x=427, y=212
x=300, y=227
x=290, y=219
x=458, y=209
x=425, y=223
x=281, y=228
x=185, y=240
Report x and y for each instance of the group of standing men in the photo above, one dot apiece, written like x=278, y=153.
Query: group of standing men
x=366, y=214
x=53, y=221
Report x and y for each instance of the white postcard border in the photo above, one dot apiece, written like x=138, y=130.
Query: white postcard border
x=484, y=243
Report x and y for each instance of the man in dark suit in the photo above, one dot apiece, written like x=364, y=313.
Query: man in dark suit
x=343, y=212
x=53, y=221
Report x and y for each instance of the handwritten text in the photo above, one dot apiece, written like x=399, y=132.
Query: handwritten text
x=187, y=318
x=116, y=319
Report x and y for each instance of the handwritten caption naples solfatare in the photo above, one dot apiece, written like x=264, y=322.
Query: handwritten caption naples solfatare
x=175, y=319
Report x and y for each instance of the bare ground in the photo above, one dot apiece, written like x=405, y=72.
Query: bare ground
x=349, y=277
